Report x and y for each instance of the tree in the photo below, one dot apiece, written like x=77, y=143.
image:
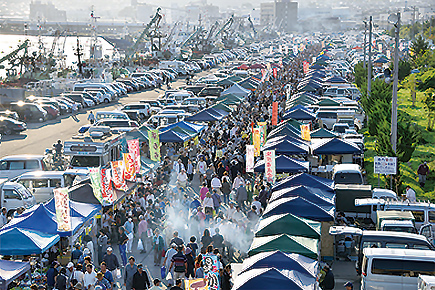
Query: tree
x=360, y=75
x=418, y=47
x=429, y=104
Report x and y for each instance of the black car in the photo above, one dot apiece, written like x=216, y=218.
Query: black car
x=195, y=89
x=10, y=126
x=210, y=91
x=29, y=111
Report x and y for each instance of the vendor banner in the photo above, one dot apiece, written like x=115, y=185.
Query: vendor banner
x=263, y=132
x=306, y=66
x=129, y=167
x=195, y=284
x=269, y=165
x=134, y=150
x=211, y=271
x=154, y=142
x=256, y=141
x=95, y=176
x=275, y=72
x=250, y=152
x=63, y=216
x=118, y=175
x=305, y=132
x=106, y=186
x=274, y=113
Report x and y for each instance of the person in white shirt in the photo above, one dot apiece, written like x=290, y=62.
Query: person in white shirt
x=201, y=168
x=257, y=205
x=230, y=211
x=89, y=278
x=3, y=217
x=238, y=181
x=182, y=178
x=410, y=194
x=216, y=183
x=176, y=167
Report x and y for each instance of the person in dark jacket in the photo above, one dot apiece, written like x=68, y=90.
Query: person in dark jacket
x=226, y=278
x=111, y=260
x=140, y=279
x=61, y=280
x=190, y=273
x=328, y=282
x=51, y=275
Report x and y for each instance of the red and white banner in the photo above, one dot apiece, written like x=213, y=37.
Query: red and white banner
x=134, y=150
x=63, y=216
x=269, y=165
x=275, y=72
x=129, y=167
x=306, y=66
x=274, y=113
x=250, y=152
x=106, y=186
x=118, y=175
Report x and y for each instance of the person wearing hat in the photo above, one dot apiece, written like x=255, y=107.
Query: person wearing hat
x=348, y=285
x=141, y=280
x=111, y=260
x=69, y=271
x=102, y=282
x=328, y=282
x=410, y=194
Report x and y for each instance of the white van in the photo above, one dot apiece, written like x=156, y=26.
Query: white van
x=42, y=183
x=14, y=195
x=347, y=174
x=398, y=269
x=14, y=165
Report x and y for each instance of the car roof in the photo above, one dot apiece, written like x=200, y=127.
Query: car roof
x=51, y=174
x=23, y=156
x=347, y=167
x=402, y=235
x=400, y=253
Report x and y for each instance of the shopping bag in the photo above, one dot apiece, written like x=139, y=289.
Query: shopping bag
x=118, y=274
x=163, y=272
x=139, y=245
x=169, y=276
x=149, y=233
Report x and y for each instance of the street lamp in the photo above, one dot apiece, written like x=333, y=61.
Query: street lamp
x=395, y=20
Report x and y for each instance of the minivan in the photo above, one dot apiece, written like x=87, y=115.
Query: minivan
x=14, y=165
x=386, y=269
x=29, y=111
x=381, y=239
x=42, y=183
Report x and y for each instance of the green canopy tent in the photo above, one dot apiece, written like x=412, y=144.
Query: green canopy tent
x=293, y=122
x=235, y=78
x=225, y=82
x=326, y=102
x=229, y=96
x=138, y=135
x=288, y=224
x=147, y=165
x=322, y=133
x=184, y=131
x=285, y=130
x=222, y=106
x=299, y=101
x=288, y=244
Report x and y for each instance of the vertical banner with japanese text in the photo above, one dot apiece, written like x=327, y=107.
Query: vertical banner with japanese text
x=269, y=165
x=106, y=186
x=211, y=271
x=129, y=167
x=263, y=132
x=134, y=150
x=118, y=175
x=306, y=66
x=305, y=132
x=274, y=113
x=275, y=72
x=250, y=152
x=154, y=142
x=95, y=176
x=256, y=141
x=63, y=216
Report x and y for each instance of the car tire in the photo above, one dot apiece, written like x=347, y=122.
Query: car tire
x=106, y=101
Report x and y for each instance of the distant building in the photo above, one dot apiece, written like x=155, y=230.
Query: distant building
x=46, y=12
x=281, y=14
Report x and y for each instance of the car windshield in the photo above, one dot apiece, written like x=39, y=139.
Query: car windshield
x=347, y=178
x=115, y=124
x=110, y=116
x=85, y=161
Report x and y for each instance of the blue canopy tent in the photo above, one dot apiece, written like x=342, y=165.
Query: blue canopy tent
x=284, y=164
x=314, y=83
x=237, y=90
x=317, y=67
x=335, y=146
x=77, y=209
x=217, y=112
x=185, y=125
x=204, y=116
x=271, y=278
x=299, y=114
x=172, y=136
x=288, y=138
x=16, y=241
x=11, y=270
x=323, y=184
x=299, y=107
x=317, y=73
x=137, y=135
x=44, y=221
x=308, y=78
x=285, y=146
x=285, y=131
x=300, y=207
x=323, y=56
x=304, y=94
x=315, y=195
x=282, y=261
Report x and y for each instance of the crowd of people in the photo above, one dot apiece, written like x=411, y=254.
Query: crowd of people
x=187, y=209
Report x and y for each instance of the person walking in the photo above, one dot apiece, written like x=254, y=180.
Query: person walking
x=179, y=262
x=61, y=280
x=141, y=280
x=226, y=278
x=107, y=274
x=348, y=285
x=129, y=271
x=111, y=261
x=102, y=245
x=89, y=278
x=142, y=229
x=3, y=217
x=102, y=282
x=241, y=196
x=410, y=194
x=122, y=244
x=51, y=275
x=226, y=189
x=129, y=231
x=91, y=117
x=190, y=262
x=158, y=247
x=422, y=172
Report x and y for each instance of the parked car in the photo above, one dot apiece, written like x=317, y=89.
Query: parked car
x=10, y=126
x=14, y=165
x=29, y=112
x=52, y=112
x=9, y=114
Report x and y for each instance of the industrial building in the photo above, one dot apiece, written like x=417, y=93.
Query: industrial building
x=281, y=14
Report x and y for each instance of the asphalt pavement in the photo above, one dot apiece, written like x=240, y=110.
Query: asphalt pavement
x=41, y=136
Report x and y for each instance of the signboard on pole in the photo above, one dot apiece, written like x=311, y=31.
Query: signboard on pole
x=274, y=113
x=250, y=158
x=256, y=141
x=305, y=132
x=269, y=165
x=63, y=216
x=385, y=165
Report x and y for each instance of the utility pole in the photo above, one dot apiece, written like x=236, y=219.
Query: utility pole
x=413, y=22
x=365, y=43
x=395, y=84
x=369, y=70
